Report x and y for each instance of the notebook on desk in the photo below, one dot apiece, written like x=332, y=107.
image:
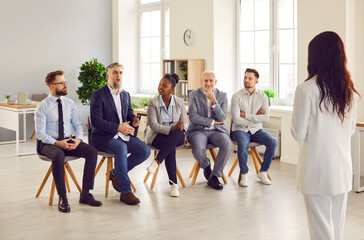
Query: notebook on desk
x=22, y=98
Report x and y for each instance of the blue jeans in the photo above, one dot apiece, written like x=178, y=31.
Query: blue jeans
x=139, y=152
x=244, y=138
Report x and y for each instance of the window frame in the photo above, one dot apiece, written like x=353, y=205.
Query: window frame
x=162, y=6
x=273, y=49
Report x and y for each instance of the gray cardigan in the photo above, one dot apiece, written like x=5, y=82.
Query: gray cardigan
x=154, y=125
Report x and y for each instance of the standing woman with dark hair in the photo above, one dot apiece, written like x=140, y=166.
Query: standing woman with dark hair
x=323, y=122
x=167, y=120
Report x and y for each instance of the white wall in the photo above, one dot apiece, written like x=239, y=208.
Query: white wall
x=315, y=17
x=225, y=45
x=198, y=16
x=359, y=67
x=359, y=56
x=40, y=36
x=214, y=24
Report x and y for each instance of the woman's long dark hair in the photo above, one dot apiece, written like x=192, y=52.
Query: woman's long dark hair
x=327, y=60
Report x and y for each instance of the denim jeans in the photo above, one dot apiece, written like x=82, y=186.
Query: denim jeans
x=139, y=152
x=244, y=138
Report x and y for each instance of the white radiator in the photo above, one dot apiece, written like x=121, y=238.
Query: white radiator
x=277, y=136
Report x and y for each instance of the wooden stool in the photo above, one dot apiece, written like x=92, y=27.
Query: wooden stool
x=67, y=167
x=196, y=166
x=256, y=157
x=156, y=151
x=109, y=167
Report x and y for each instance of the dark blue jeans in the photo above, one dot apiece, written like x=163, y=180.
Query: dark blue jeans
x=139, y=152
x=244, y=138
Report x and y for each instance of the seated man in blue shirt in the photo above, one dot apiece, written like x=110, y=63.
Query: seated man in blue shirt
x=59, y=134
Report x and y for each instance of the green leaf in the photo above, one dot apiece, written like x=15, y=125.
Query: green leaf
x=92, y=77
x=271, y=93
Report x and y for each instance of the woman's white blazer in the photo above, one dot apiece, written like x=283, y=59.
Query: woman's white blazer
x=324, y=166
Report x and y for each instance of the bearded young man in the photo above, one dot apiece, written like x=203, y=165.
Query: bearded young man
x=59, y=133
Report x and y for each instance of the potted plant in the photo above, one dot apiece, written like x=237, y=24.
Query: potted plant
x=142, y=103
x=183, y=68
x=7, y=98
x=271, y=93
x=92, y=77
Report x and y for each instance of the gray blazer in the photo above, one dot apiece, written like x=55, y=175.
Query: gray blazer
x=154, y=125
x=197, y=111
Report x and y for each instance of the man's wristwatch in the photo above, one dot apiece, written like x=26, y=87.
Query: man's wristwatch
x=214, y=104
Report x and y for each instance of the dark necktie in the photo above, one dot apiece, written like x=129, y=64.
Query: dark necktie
x=60, y=120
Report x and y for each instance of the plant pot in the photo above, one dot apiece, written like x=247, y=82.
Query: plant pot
x=7, y=101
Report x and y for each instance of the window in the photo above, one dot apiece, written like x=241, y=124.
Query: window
x=268, y=43
x=153, y=42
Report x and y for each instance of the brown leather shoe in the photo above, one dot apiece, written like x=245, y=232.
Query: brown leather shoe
x=129, y=198
x=114, y=180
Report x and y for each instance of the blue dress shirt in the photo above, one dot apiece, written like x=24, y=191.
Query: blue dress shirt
x=167, y=113
x=46, y=120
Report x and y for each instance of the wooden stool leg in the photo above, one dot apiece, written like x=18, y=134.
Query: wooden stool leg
x=193, y=169
x=31, y=137
x=44, y=181
x=148, y=173
x=233, y=167
x=52, y=192
x=197, y=169
x=66, y=180
x=213, y=155
x=146, y=176
x=132, y=185
x=154, y=178
x=108, y=169
x=99, y=165
x=260, y=160
x=180, y=177
x=254, y=160
x=68, y=167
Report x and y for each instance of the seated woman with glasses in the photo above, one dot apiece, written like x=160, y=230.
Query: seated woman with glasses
x=167, y=120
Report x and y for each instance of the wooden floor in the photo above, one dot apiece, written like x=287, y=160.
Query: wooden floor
x=256, y=212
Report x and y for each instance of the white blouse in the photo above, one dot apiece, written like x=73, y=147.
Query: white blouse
x=324, y=166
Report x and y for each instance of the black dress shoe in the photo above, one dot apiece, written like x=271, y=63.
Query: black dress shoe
x=114, y=180
x=63, y=205
x=88, y=198
x=214, y=183
x=207, y=172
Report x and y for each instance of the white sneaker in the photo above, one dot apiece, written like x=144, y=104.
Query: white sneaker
x=152, y=167
x=174, y=190
x=264, y=178
x=243, y=180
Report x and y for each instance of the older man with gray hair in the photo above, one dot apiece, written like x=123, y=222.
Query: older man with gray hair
x=207, y=111
x=113, y=121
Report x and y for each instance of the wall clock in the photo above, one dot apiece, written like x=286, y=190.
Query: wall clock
x=189, y=37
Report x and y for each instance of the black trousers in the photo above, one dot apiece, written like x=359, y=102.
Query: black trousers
x=167, y=150
x=58, y=155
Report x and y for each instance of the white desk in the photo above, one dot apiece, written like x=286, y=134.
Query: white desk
x=355, y=151
x=9, y=119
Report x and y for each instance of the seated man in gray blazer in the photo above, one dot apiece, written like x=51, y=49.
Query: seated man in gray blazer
x=207, y=111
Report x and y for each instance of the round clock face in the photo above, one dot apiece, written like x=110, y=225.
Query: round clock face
x=189, y=37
